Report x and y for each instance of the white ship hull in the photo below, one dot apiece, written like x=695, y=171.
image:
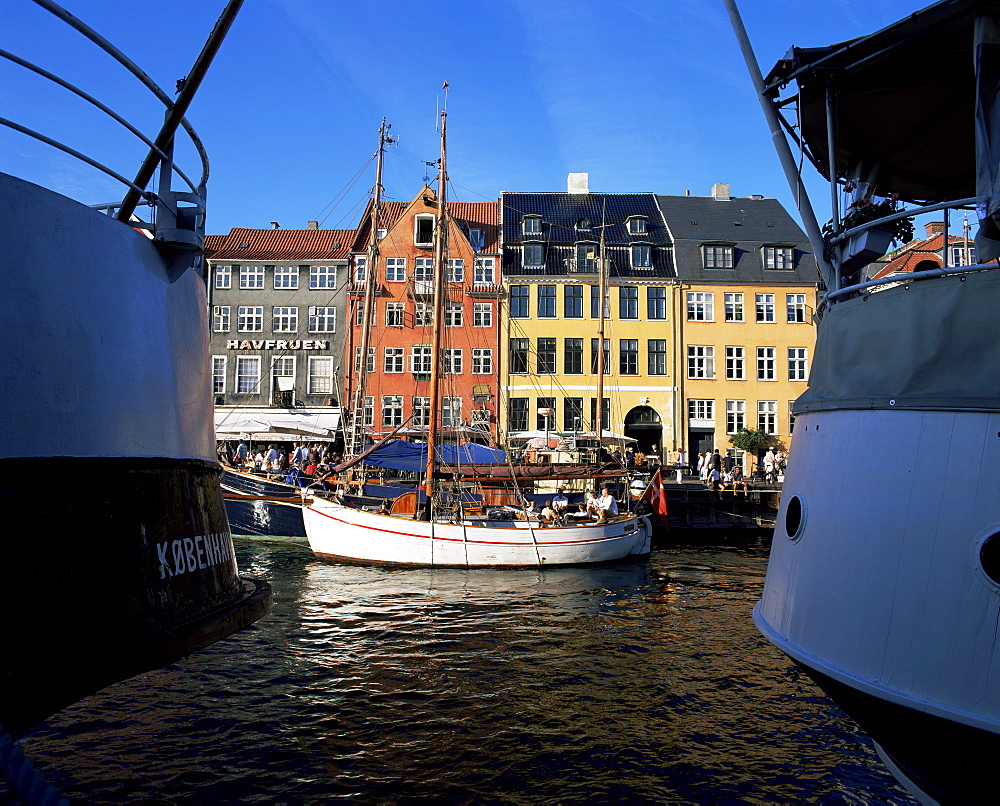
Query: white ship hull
x=340, y=533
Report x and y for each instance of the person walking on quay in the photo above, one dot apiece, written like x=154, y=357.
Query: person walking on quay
x=769, y=462
x=716, y=461
x=680, y=460
x=702, y=468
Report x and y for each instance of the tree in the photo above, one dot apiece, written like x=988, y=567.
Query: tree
x=750, y=439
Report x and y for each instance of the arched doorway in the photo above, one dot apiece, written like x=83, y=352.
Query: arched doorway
x=644, y=425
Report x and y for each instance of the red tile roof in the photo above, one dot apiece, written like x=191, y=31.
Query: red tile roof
x=906, y=258
x=244, y=243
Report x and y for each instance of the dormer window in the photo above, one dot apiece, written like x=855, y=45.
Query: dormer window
x=718, y=256
x=637, y=225
x=423, y=230
x=583, y=225
x=779, y=258
x=477, y=239
x=532, y=254
x=531, y=225
x=586, y=257
x=641, y=256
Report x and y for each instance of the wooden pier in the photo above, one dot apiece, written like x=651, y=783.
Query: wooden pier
x=690, y=505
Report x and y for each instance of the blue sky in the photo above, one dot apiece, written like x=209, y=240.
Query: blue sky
x=644, y=95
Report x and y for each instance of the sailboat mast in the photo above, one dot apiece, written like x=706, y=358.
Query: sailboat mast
x=603, y=292
x=440, y=250
x=368, y=312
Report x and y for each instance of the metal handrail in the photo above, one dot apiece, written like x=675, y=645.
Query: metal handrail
x=895, y=279
x=927, y=208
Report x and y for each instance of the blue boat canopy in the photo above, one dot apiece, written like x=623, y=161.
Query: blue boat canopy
x=400, y=455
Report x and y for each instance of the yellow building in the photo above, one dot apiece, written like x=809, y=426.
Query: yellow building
x=707, y=316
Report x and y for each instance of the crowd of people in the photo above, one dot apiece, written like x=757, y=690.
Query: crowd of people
x=717, y=472
x=557, y=511
x=303, y=462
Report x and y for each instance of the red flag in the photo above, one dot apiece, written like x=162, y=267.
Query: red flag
x=656, y=495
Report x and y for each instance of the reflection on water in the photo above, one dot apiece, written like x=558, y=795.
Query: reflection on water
x=640, y=682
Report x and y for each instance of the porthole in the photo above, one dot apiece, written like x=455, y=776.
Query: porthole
x=989, y=556
x=794, y=518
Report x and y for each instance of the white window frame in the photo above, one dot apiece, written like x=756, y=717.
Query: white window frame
x=700, y=306
x=220, y=366
x=284, y=319
x=764, y=304
x=250, y=319
x=701, y=410
x=451, y=412
x=223, y=276
x=220, y=318
x=251, y=276
x=357, y=360
x=395, y=314
x=766, y=364
x=323, y=277
x=248, y=374
x=638, y=225
x=360, y=269
x=798, y=363
x=484, y=271
x=795, y=308
x=736, y=368
x=531, y=225
x=392, y=411
x=736, y=416
x=320, y=378
x=284, y=362
x=423, y=314
x=322, y=319
x=420, y=359
x=482, y=314
x=451, y=361
x=421, y=411
x=767, y=416
x=482, y=361
x=718, y=256
x=456, y=270
x=394, y=359
x=286, y=277
x=779, y=258
x=701, y=361
x=419, y=219
x=533, y=255
x=733, y=301
x=395, y=269
x=454, y=314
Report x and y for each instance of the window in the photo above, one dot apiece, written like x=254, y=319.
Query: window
x=583, y=225
x=451, y=361
x=394, y=312
x=220, y=318
x=393, y=359
x=700, y=306
x=392, y=410
x=421, y=411
x=251, y=276
x=734, y=306
x=360, y=269
x=282, y=367
x=656, y=357
x=322, y=319
x=519, y=356
x=517, y=414
x=765, y=307
x=765, y=364
x=701, y=361
x=322, y=277
x=595, y=301
x=482, y=314
x=484, y=271
x=395, y=269
x=736, y=416
x=286, y=276
x=320, y=376
x=628, y=357
x=735, y=364
x=519, y=302
x=451, y=412
x=641, y=256
x=701, y=409
x=369, y=364
x=586, y=257
x=964, y=255
x=482, y=361
x=546, y=421
x=218, y=374
x=285, y=320
x=477, y=239
x=573, y=302
x=791, y=416
x=223, y=276
x=423, y=315
x=605, y=412
x=546, y=356
x=796, y=305
x=637, y=225
x=456, y=270
x=533, y=255
x=420, y=359
x=628, y=302
x=531, y=225
x=248, y=374
x=573, y=413
x=767, y=416
x=798, y=369
x=656, y=302
x=718, y=257
x=546, y=301
x=368, y=410
x=359, y=315
x=779, y=257
x=423, y=274
x=607, y=356
x=573, y=356
x=250, y=319
x=453, y=314
x=423, y=230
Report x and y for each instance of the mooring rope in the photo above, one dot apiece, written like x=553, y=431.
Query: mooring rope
x=21, y=776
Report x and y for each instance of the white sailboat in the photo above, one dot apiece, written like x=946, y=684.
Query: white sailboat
x=437, y=529
x=884, y=577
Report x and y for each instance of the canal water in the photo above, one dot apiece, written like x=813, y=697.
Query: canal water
x=637, y=683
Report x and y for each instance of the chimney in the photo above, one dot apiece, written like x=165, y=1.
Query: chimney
x=312, y=225
x=933, y=228
x=275, y=225
x=577, y=183
x=720, y=191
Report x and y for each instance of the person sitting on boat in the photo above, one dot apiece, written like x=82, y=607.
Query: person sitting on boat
x=608, y=505
x=581, y=514
x=548, y=515
x=593, y=504
x=560, y=503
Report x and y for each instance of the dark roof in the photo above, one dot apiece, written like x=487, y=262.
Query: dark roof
x=244, y=243
x=747, y=224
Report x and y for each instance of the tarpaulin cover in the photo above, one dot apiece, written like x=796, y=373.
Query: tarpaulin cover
x=924, y=345
x=400, y=455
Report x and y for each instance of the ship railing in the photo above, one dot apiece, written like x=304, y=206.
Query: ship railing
x=835, y=295
x=178, y=216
